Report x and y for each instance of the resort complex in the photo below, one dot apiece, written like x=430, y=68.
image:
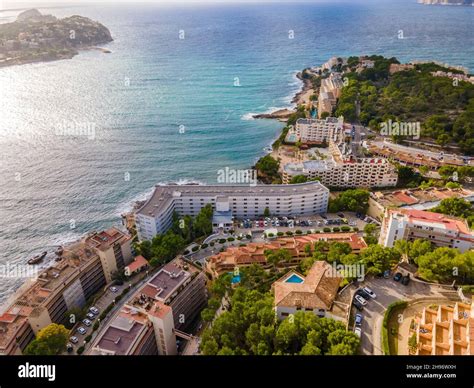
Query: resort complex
x=228, y=202
x=82, y=270
x=344, y=164
x=254, y=253
x=439, y=229
x=446, y=330
x=167, y=305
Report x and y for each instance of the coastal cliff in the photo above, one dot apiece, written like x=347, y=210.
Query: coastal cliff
x=34, y=37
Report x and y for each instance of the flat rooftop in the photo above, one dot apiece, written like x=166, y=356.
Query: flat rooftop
x=122, y=333
x=164, y=194
x=105, y=239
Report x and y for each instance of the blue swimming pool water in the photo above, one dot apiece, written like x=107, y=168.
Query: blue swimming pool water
x=294, y=279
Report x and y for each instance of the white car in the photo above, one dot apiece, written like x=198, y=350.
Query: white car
x=361, y=300
x=74, y=340
x=369, y=292
x=94, y=310
x=113, y=289
x=81, y=330
x=87, y=322
x=358, y=331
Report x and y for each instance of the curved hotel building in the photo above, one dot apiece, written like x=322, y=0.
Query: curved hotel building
x=228, y=201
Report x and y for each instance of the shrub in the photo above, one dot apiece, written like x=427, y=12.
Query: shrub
x=355, y=229
x=289, y=233
x=280, y=234
x=80, y=350
x=231, y=239
x=399, y=304
x=298, y=231
x=270, y=235
x=239, y=238
x=222, y=241
x=308, y=232
x=336, y=229
x=96, y=325
x=212, y=243
x=345, y=228
x=204, y=246
x=248, y=237
x=195, y=248
x=88, y=338
x=186, y=252
x=327, y=230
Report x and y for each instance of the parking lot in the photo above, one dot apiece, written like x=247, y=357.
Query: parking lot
x=312, y=223
x=388, y=291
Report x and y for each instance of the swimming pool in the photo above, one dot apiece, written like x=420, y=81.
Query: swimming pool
x=294, y=279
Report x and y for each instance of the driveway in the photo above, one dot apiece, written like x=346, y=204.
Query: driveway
x=389, y=291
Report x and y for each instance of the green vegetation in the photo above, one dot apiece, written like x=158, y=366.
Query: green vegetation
x=457, y=174
x=445, y=265
x=164, y=247
x=250, y=328
x=390, y=327
x=370, y=234
x=444, y=108
x=267, y=169
x=356, y=200
x=299, y=179
x=456, y=207
x=50, y=341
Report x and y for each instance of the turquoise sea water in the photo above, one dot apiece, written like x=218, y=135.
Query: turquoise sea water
x=153, y=83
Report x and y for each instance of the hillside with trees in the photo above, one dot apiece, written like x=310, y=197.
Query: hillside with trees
x=444, y=108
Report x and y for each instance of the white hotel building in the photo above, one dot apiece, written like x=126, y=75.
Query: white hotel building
x=411, y=225
x=228, y=201
x=341, y=168
x=317, y=131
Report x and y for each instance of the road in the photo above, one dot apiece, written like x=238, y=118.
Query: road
x=388, y=291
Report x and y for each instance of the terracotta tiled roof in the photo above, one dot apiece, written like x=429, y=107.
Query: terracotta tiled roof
x=318, y=289
x=137, y=263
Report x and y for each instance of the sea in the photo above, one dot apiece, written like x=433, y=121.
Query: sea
x=82, y=139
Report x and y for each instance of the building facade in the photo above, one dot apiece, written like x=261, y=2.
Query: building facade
x=155, y=216
x=411, y=225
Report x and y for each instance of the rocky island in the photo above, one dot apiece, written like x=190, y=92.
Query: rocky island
x=34, y=37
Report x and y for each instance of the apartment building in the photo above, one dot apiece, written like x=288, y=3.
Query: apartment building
x=254, y=253
x=411, y=225
x=419, y=199
x=114, y=249
x=314, y=292
x=446, y=330
x=165, y=307
x=329, y=91
x=129, y=333
x=317, y=131
x=344, y=167
x=66, y=284
x=155, y=216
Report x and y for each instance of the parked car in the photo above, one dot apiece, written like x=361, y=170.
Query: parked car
x=341, y=215
x=397, y=276
x=81, y=330
x=386, y=274
x=94, y=310
x=69, y=347
x=369, y=292
x=405, y=280
x=358, y=331
x=358, y=319
x=90, y=316
x=74, y=340
x=87, y=322
x=362, y=293
x=361, y=300
x=358, y=306
x=113, y=289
